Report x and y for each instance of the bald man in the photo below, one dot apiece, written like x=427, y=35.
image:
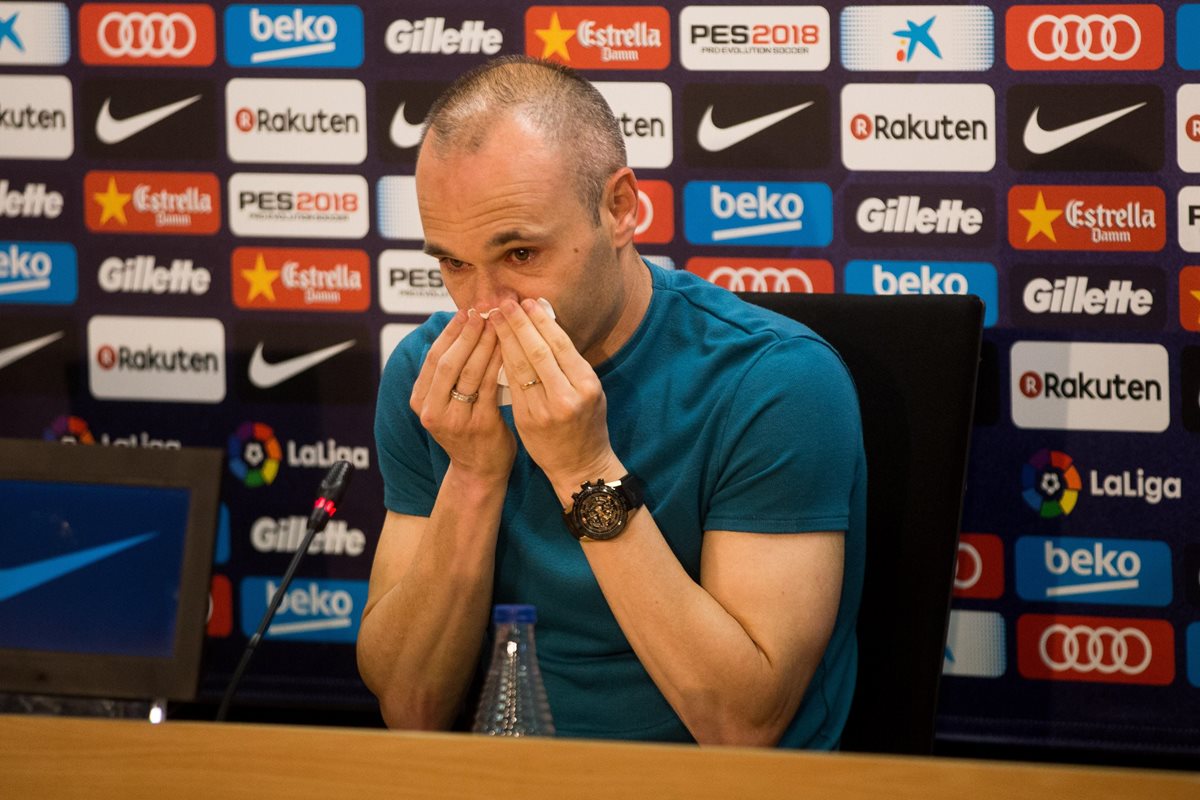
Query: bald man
x=678, y=482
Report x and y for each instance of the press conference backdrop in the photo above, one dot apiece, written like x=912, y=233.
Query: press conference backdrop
x=210, y=238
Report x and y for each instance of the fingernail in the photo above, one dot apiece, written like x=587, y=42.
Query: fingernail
x=471, y=312
x=528, y=305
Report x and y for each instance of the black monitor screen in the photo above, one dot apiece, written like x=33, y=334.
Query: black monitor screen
x=90, y=569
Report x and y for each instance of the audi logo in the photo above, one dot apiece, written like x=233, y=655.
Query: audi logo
x=767, y=279
x=968, y=554
x=1072, y=37
x=153, y=35
x=1104, y=649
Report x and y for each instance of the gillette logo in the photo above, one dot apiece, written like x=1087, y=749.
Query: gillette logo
x=758, y=213
x=430, y=35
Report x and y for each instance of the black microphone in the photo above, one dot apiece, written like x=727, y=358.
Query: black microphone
x=330, y=493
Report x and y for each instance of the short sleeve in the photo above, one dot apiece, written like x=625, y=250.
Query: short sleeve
x=791, y=452
x=402, y=445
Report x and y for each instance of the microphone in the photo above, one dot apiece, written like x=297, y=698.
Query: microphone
x=329, y=494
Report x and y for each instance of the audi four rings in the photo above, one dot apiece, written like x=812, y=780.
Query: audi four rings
x=1060, y=37
x=136, y=34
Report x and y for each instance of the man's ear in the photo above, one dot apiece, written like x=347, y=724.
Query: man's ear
x=621, y=203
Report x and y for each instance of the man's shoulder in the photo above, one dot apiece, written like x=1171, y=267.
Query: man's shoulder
x=406, y=358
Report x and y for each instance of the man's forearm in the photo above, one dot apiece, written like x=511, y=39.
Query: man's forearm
x=419, y=643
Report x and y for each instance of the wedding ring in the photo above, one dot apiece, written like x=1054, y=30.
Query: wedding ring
x=465, y=398
x=530, y=384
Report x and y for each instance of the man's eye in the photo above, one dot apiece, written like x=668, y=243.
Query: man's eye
x=452, y=263
x=521, y=255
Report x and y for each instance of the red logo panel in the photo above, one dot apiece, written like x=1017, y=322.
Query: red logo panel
x=1084, y=37
x=600, y=37
x=979, y=572
x=220, y=608
x=152, y=202
x=1101, y=218
x=309, y=279
x=147, y=35
x=801, y=275
x=1189, y=298
x=656, y=213
x=1096, y=649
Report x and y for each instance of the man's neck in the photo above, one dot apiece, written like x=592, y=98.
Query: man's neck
x=637, y=287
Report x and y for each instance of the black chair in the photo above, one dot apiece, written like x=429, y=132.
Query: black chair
x=914, y=360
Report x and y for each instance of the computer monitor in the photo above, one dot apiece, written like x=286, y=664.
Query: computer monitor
x=105, y=560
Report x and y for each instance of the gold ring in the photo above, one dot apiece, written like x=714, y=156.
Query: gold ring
x=530, y=384
x=465, y=398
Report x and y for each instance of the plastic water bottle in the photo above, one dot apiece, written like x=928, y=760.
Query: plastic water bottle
x=514, y=701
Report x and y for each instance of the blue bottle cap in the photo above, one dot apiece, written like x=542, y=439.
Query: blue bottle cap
x=514, y=613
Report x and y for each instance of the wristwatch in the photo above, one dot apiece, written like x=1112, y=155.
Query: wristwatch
x=601, y=510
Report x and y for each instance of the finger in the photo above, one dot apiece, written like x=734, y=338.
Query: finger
x=530, y=350
x=569, y=360
x=443, y=341
x=449, y=367
x=472, y=376
x=490, y=388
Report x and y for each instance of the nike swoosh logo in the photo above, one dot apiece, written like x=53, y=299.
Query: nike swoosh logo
x=18, y=351
x=715, y=139
x=265, y=375
x=404, y=134
x=17, y=580
x=114, y=131
x=1040, y=141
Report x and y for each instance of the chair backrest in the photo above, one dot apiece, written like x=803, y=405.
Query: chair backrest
x=914, y=360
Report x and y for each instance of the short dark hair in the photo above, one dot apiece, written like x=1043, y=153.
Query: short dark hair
x=560, y=104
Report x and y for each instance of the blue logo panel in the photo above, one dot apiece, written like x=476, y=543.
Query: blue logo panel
x=312, y=610
x=1187, y=36
x=758, y=214
x=926, y=277
x=1131, y=572
x=1193, y=654
x=38, y=272
x=275, y=36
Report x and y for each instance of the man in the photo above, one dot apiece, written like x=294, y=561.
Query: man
x=712, y=597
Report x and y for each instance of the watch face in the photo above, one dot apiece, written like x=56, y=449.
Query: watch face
x=601, y=513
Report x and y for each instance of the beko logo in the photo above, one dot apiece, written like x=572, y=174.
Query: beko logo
x=38, y=272
x=1119, y=297
x=410, y=282
x=917, y=38
x=1084, y=37
x=1090, y=386
x=768, y=38
x=286, y=534
x=954, y=132
x=758, y=213
x=294, y=36
x=431, y=36
x=145, y=35
x=156, y=358
x=142, y=275
x=34, y=201
x=292, y=205
x=34, y=33
x=296, y=121
x=311, y=611
x=1078, y=570
x=925, y=277
x=643, y=112
x=36, y=117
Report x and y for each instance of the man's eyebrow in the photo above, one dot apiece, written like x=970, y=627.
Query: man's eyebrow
x=514, y=235
x=435, y=250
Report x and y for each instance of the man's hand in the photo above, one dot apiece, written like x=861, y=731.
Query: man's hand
x=562, y=418
x=465, y=358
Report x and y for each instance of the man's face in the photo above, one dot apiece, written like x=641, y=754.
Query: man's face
x=506, y=221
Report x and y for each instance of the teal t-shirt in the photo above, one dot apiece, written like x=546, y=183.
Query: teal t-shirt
x=735, y=418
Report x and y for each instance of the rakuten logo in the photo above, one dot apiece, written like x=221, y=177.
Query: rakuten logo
x=294, y=36
x=740, y=38
x=431, y=36
x=643, y=112
x=955, y=131
x=300, y=121
x=284, y=535
x=36, y=113
x=758, y=213
x=1077, y=570
x=1090, y=386
x=1084, y=37
x=156, y=358
x=410, y=282
x=311, y=610
x=1096, y=649
x=930, y=277
x=143, y=275
x=805, y=276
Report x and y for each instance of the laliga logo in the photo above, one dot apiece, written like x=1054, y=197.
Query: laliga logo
x=254, y=454
x=1050, y=483
x=69, y=430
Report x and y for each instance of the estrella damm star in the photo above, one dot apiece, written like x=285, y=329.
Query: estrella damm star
x=555, y=38
x=261, y=280
x=1040, y=219
x=112, y=203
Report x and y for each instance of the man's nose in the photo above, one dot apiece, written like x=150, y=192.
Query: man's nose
x=489, y=293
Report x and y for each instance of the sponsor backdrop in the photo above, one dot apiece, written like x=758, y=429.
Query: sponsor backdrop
x=208, y=236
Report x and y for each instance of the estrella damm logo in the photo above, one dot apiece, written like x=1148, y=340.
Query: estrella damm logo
x=600, y=37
